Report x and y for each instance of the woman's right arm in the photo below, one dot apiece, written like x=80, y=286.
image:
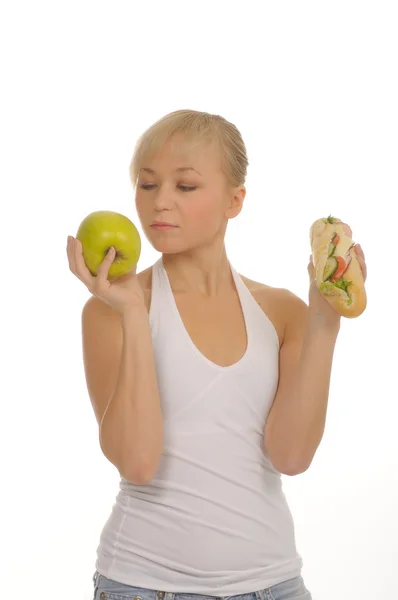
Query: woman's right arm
x=122, y=384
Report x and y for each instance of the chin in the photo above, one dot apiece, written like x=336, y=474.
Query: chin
x=165, y=246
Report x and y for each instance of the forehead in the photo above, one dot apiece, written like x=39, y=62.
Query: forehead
x=180, y=153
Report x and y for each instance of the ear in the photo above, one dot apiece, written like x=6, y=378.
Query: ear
x=236, y=199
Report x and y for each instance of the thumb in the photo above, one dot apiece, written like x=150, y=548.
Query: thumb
x=110, y=256
x=311, y=269
x=106, y=263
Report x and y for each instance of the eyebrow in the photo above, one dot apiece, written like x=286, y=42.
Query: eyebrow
x=178, y=170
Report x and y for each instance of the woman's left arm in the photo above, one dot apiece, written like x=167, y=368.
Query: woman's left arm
x=296, y=421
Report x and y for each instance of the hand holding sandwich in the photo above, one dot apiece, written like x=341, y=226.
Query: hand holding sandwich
x=337, y=271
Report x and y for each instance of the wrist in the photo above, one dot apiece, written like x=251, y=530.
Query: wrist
x=319, y=322
x=133, y=314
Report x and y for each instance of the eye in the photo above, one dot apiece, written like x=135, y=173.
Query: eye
x=183, y=188
x=187, y=188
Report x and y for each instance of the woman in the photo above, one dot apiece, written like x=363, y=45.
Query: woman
x=202, y=384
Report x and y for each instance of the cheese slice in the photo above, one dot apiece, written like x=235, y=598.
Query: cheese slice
x=343, y=246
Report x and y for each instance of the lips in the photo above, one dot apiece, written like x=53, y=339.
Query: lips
x=159, y=224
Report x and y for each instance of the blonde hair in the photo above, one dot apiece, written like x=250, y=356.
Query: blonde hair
x=197, y=127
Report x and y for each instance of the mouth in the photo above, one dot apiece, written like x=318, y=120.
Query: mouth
x=163, y=226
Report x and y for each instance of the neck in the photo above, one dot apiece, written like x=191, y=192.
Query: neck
x=199, y=271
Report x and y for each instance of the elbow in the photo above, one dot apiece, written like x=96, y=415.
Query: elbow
x=142, y=473
x=138, y=477
x=139, y=471
x=290, y=467
x=294, y=470
x=296, y=467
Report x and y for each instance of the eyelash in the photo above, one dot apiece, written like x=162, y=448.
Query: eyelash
x=183, y=188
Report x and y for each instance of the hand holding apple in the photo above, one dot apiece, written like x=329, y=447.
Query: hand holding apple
x=104, y=229
x=94, y=253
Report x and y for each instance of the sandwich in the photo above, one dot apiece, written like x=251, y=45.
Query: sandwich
x=338, y=274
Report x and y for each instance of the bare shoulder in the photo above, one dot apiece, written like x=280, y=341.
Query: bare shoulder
x=279, y=304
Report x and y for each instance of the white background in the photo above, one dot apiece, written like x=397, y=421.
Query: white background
x=313, y=88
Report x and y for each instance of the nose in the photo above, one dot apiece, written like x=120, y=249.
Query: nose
x=163, y=198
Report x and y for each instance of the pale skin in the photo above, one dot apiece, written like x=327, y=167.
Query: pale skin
x=200, y=201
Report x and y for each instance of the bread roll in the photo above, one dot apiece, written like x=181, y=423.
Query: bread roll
x=338, y=274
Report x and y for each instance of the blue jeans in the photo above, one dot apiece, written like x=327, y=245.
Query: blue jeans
x=106, y=589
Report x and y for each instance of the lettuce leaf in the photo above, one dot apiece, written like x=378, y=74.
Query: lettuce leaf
x=342, y=284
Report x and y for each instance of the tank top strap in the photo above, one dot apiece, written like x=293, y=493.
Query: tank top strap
x=247, y=301
x=256, y=320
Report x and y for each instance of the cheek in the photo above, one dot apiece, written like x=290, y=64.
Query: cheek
x=202, y=212
x=140, y=205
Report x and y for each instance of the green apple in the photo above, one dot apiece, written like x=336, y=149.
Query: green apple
x=103, y=229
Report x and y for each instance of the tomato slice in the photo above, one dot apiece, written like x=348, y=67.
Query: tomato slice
x=336, y=239
x=341, y=267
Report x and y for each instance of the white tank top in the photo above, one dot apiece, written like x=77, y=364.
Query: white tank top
x=214, y=520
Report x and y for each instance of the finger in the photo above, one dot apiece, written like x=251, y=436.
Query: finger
x=82, y=272
x=347, y=229
x=71, y=254
x=358, y=250
x=103, y=269
x=364, y=270
x=362, y=263
x=359, y=254
x=311, y=269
